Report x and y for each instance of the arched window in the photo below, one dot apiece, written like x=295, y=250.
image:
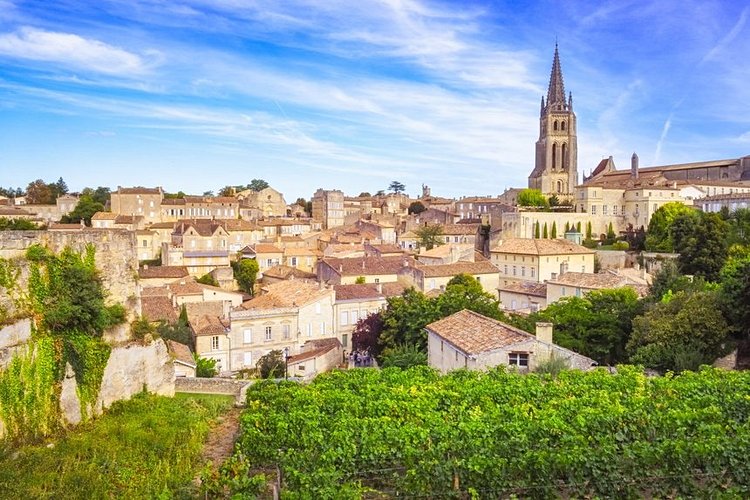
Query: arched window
x=554, y=156
x=564, y=156
x=554, y=126
x=562, y=125
x=559, y=186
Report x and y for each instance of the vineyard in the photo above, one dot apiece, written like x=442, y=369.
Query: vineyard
x=367, y=433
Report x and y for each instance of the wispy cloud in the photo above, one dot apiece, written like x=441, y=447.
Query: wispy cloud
x=729, y=38
x=74, y=51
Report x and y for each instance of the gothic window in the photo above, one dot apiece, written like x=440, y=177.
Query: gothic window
x=554, y=156
x=560, y=185
x=564, y=156
x=555, y=125
x=562, y=125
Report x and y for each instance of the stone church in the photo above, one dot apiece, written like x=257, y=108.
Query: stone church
x=556, y=165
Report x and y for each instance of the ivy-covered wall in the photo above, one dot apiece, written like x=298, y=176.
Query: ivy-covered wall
x=65, y=299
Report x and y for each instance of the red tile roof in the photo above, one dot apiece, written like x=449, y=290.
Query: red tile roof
x=473, y=333
x=163, y=272
x=368, y=266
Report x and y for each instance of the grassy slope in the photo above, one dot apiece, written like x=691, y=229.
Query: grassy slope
x=142, y=448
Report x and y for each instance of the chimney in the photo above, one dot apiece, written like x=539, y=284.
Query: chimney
x=544, y=332
x=634, y=166
x=379, y=286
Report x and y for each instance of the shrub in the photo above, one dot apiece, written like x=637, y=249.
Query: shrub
x=552, y=366
x=403, y=356
x=205, y=367
x=620, y=245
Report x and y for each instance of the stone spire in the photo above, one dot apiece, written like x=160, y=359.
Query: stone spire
x=556, y=92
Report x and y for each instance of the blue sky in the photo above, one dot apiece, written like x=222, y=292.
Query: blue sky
x=198, y=94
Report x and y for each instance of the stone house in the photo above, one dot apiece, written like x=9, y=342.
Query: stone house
x=182, y=358
x=138, y=201
x=436, y=277
x=528, y=259
x=468, y=340
x=151, y=276
x=285, y=315
x=523, y=296
x=316, y=356
x=266, y=254
x=328, y=208
x=304, y=259
x=372, y=269
x=572, y=284
x=354, y=302
x=268, y=202
x=211, y=331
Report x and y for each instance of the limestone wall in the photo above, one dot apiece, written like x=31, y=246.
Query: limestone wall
x=230, y=387
x=13, y=337
x=116, y=253
x=133, y=368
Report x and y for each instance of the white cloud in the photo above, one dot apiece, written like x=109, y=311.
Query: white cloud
x=71, y=50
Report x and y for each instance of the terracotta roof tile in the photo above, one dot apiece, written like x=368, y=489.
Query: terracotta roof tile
x=364, y=266
x=527, y=288
x=158, y=308
x=529, y=246
x=357, y=292
x=287, y=272
x=285, y=294
x=460, y=267
x=473, y=333
x=163, y=272
x=104, y=216
x=180, y=352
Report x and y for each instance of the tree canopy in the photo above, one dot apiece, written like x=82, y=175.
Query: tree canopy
x=701, y=240
x=245, y=272
x=430, y=235
x=396, y=187
x=416, y=207
x=659, y=235
x=84, y=210
x=532, y=198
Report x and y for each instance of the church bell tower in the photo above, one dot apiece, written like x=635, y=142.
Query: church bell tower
x=556, y=166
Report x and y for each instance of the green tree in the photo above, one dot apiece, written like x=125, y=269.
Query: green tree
x=17, y=225
x=567, y=227
x=403, y=356
x=208, y=279
x=589, y=232
x=532, y=198
x=430, y=235
x=701, y=240
x=659, y=234
x=39, y=192
x=227, y=191
x=553, y=201
x=59, y=188
x=735, y=294
x=416, y=207
x=257, y=185
x=271, y=365
x=100, y=194
x=141, y=327
x=405, y=318
x=553, y=232
x=245, y=272
x=205, y=367
x=611, y=236
x=680, y=333
x=597, y=325
x=537, y=232
x=396, y=187
x=364, y=194
x=739, y=224
x=177, y=195
x=179, y=331
x=84, y=210
x=578, y=226
x=545, y=233
x=465, y=292
x=361, y=280
x=669, y=280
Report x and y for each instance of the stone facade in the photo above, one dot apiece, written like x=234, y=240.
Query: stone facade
x=556, y=166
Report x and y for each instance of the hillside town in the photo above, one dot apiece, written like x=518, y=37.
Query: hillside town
x=587, y=268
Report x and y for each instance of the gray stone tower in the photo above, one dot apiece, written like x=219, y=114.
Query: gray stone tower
x=556, y=167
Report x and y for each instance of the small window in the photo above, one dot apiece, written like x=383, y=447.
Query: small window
x=268, y=333
x=518, y=359
x=247, y=336
x=345, y=341
x=215, y=343
x=344, y=318
x=247, y=358
x=317, y=308
x=285, y=329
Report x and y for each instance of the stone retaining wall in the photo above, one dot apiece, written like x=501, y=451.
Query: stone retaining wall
x=13, y=337
x=199, y=385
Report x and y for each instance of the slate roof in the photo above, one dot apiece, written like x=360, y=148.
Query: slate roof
x=473, y=333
